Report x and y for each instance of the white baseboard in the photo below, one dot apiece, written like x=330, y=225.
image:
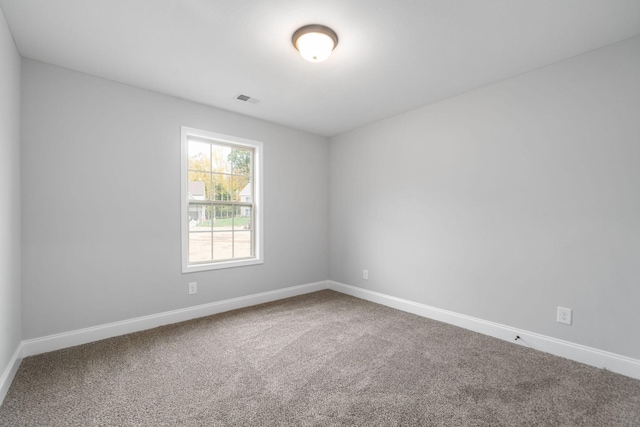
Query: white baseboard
x=579, y=353
x=10, y=372
x=82, y=336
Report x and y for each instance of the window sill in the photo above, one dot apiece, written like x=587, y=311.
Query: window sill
x=220, y=265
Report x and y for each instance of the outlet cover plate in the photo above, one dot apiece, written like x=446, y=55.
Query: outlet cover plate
x=193, y=288
x=564, y=315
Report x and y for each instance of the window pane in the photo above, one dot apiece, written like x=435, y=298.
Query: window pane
x=221, y=187
x=223, y=215
x=199, y=155
x=242, y=218
x=199, y=247
x=222, y=245
x=199, y=217
x=242, y=244
x=242, y=190
x=221, y=156
x=199, y=185
x=240, y=161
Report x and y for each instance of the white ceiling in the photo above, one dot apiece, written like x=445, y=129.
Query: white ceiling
x=392, y=56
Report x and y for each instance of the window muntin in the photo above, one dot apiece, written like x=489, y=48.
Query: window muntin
x=221, y=211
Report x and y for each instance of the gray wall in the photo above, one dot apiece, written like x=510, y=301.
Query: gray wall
x=101, y=219
x=505, y=202
x=10, y=329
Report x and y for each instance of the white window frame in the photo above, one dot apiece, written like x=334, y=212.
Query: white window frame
x=256, y=146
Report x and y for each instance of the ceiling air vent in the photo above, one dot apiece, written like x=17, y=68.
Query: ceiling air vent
x=247, y=98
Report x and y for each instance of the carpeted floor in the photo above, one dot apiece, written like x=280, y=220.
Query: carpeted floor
x=318, y=359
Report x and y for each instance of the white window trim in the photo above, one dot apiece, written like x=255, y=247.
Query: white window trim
x=187, y=132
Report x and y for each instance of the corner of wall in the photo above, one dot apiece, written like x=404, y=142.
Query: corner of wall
x=10, y=200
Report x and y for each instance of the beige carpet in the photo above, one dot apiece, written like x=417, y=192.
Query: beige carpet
x=318, y=359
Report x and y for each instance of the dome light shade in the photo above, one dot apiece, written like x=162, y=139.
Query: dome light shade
x=315, y=42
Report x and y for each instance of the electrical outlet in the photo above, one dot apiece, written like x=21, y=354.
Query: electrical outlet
x=365, y=274
x=564, y=315
x=193, y=288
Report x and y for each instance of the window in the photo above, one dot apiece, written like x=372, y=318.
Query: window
x=221, y=201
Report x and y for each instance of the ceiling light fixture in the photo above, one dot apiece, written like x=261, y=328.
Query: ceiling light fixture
x=315, y=42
